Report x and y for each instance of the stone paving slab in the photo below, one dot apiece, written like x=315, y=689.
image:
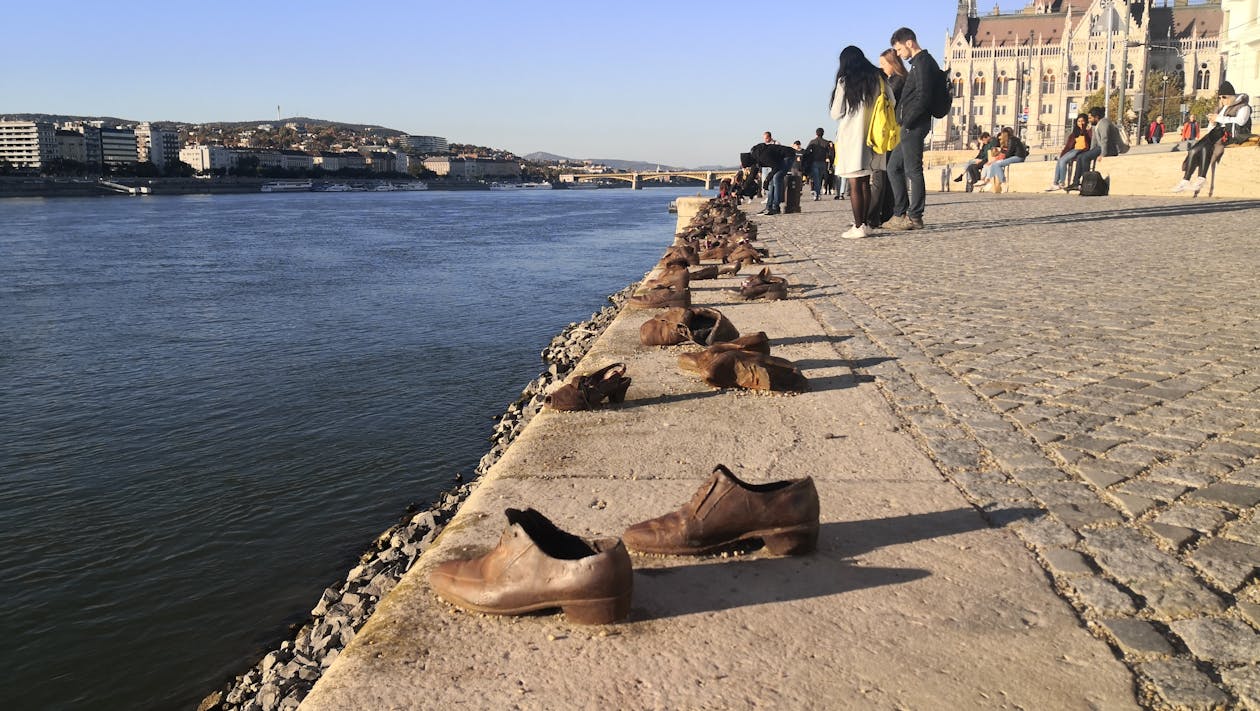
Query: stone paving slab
x=1102, y=355
x=913, y=599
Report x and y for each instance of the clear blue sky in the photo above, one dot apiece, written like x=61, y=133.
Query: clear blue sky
x=679, y=83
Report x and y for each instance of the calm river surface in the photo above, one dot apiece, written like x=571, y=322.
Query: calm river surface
x=210, y=405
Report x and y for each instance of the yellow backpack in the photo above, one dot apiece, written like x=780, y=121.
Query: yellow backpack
x=883, y=134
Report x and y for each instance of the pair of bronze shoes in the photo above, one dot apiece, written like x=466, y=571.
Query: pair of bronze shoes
x=586, y=392
x=745, y=362
x=696, y=324
x=536, y=566
x=763, y=285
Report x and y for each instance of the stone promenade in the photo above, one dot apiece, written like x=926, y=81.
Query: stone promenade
x=1094, y=359
x=1035, y=432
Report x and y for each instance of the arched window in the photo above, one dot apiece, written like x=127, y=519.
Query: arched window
x=1074, y=79
x=1203, y=77
x=1091, y=78
x=1001, y=85
x=1113, y=76
x=958, y=85
x=1128, y=76
x=1047, y=83
x=979, y=85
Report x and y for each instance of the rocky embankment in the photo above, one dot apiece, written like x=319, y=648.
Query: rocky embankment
x=283, y=677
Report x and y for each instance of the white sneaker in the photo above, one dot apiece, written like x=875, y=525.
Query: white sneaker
x=1199, y=182
x=854, y=232
x=1054, y=188
x=1181, y=186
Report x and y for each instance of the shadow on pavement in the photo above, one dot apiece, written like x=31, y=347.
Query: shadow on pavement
x=713, y=584
x=1140, y=213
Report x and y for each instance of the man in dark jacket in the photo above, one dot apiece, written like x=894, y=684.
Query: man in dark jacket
x=779, y=159
x=914, y=115
x=818, y=150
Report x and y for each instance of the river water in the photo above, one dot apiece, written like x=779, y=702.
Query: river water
x=209, y=405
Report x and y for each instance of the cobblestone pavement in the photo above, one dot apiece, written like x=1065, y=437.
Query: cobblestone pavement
x=1087, y=372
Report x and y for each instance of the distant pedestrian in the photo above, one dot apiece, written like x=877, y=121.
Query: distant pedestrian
x=1156, y=130
x=818, y=152
x=1189, y=132
x=852, y=101
x=779, y=160
x=914, y=115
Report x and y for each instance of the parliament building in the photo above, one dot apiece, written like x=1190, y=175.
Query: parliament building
x=1033, y=68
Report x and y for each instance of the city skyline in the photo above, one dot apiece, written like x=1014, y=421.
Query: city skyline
x=676, y=85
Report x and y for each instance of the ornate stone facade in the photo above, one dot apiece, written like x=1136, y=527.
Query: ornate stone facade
x=1033, y=68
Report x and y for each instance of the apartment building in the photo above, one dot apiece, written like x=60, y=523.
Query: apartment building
x=156, y=145
x=27, y=144
x=118, y=147
x=473, y=168
x=424, y=144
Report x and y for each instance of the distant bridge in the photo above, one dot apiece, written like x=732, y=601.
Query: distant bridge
x=710, y=178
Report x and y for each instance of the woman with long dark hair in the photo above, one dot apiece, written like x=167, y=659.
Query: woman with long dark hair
x=1078, y=142
x=852, y=100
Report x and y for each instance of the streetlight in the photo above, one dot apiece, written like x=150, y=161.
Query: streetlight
x=1163, y=101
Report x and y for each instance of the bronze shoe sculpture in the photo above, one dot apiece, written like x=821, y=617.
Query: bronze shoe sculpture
x=698, y=361
x=663, y=296
x=726, y=511
x=673, y=276
x=586, y=392
x=754, y=371
x=537, y=566
x=698, y=324
x=706, y=272
x=763, y=285
x=732, y=269
x=746, y=254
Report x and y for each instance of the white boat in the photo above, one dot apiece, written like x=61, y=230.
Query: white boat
x=520, y=186
x=334, y=188
x=416, y=185
x=286, y=186
x=384, y=188
x=582, y=186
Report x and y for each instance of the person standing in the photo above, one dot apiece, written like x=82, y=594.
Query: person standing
x=881, y=189
x=1156, y=131
x=779, y=159
x=914, y=115
x=818, y=151
x=1190, y=131
x=852, y=101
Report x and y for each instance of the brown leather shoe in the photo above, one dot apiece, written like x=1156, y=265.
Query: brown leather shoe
x=698, y=361
x=586, y=392
x=707, y=272
x=698, y=324
x=763, y=285
x=754, y=371
x=660, y=297
x=725, y=511
x=536, y=566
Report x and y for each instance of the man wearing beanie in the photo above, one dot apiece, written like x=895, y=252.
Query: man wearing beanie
x=1234, y=114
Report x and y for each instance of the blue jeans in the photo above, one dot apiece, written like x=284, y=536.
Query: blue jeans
x=817, y=174
x=997, y=169
x=1061, y=167
x=905, y=164
x=1083, y=159
x=775, y=197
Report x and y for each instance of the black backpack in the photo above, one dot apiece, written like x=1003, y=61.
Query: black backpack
x=942, y=95
x=1093, y=184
